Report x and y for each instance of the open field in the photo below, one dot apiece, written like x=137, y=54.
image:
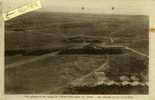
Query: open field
x=59, y=74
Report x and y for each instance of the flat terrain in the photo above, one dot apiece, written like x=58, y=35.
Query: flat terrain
x=55, y=74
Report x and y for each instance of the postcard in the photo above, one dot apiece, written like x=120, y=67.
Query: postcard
x=77, y=49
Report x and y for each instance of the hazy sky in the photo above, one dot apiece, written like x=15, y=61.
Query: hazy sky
x=87, y=6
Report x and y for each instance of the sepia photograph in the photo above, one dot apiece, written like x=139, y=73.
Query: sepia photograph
x=78, y=49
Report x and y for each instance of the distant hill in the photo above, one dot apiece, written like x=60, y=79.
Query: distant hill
x=44, y=29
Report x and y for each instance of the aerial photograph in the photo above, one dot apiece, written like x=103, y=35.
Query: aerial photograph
x=77, y=50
